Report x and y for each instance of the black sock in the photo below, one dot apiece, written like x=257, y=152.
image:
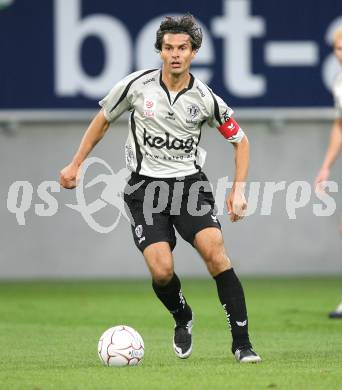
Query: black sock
x=173, y=299
x=232, y=299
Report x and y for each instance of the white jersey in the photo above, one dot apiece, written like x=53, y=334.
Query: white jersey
x=337, y=92
x=165, y=128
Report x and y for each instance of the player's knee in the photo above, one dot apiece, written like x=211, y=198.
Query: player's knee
x=217, y=263
x=216, y=258
x=162, y=275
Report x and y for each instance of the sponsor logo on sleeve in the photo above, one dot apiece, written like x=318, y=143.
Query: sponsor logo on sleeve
x=149, y=81
x=200, y=91
x=225, y=116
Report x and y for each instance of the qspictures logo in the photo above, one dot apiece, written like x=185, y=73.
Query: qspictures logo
x=20, y=194
x=260, y=195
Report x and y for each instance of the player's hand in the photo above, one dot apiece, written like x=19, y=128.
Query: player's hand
x=69, y=176
x=321, y=177
x=236, y=204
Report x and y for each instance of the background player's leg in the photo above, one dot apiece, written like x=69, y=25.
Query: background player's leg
x=167, y=287
x=209, y=243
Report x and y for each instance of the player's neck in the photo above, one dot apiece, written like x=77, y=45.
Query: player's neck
x=176, y=82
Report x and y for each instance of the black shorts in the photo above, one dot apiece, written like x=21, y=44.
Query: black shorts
x=157, y=206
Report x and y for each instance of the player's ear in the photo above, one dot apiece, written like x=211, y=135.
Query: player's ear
x=193, y=54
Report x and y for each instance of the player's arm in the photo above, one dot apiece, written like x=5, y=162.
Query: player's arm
x=113, y=105
x=236, y=201
x=221, y=117
x=93, y=134
x=334, y=149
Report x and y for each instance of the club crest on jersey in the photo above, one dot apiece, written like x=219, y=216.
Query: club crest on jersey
x=193, y=111
x=149, y=107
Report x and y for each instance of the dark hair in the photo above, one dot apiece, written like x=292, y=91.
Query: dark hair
x=185, y=24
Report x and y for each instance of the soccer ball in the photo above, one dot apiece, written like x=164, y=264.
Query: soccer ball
x=121, y=346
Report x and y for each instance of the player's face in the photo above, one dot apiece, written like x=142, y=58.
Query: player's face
x=177, y=53
x=338, y=49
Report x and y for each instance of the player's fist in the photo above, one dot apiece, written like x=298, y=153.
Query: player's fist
x=236, y=204
x=69, y=176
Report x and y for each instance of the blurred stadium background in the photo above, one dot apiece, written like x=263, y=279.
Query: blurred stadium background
x=274, y=66
x=272, y=62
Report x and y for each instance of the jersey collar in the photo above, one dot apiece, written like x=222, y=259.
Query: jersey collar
x=162, y=84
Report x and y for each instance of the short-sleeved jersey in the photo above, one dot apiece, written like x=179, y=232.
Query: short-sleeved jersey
x=337, y=92
x=164, y=129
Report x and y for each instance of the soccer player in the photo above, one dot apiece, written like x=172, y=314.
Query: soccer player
x=168, y=108
x=335, y=144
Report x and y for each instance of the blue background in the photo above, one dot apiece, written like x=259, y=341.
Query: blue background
x=27, y=38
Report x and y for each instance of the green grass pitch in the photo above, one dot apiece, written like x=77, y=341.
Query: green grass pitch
x=49, y=333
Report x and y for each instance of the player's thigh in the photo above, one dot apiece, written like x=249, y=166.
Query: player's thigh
x=147, y=226
x=156, y=229
x=196, y=215
x=209, y=243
